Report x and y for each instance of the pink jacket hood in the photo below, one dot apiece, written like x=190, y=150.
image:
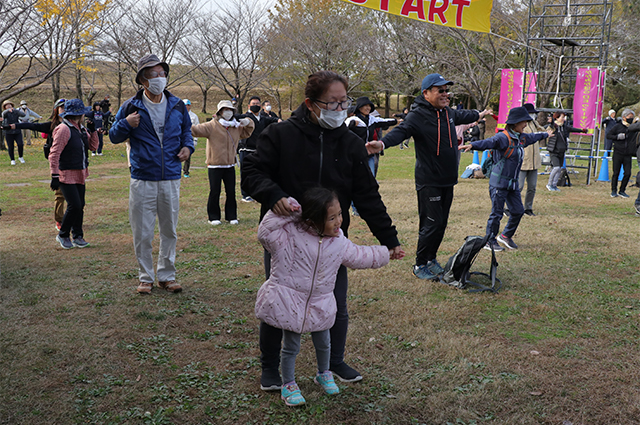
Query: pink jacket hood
x=298, y=296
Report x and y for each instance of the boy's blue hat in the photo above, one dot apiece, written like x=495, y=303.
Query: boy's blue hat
x=75, y=107
x=518, y=114
x=434, y=80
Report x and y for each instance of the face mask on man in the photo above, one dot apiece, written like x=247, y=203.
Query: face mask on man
x=157, y=85
x=254, y=108
x=267, y=108
x=629, y=120
x=227, y=115
x=331, y=119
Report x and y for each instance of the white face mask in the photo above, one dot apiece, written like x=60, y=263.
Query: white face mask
x=267, y=108
x=331, y=119
x=157, y=85
x=227, y=115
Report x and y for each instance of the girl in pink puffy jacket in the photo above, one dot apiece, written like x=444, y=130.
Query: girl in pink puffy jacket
x=307, y=248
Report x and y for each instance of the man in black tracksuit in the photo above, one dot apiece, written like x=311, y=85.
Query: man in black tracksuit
x=248, y=145
x=431, y=123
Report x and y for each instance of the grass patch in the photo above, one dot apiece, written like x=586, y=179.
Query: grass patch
x=558, y=344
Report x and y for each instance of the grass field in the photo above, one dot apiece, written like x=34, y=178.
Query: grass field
x=558, y=345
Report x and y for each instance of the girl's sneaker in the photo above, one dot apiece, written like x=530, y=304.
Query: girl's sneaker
x=325, y=380
x=291, y=395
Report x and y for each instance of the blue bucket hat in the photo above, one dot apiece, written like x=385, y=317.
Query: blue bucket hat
x=75, y=107
x=434, y=80
x=518, y=114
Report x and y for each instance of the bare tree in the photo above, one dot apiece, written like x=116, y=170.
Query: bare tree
x=27, y=43
x=233, y=43
x=310, y=35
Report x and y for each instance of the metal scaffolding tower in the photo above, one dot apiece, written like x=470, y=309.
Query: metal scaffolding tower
x=564, y=35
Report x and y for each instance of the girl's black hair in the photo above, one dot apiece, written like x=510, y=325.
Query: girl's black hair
x=314, y=204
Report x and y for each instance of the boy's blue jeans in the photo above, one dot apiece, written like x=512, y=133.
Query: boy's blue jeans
x=514, y=203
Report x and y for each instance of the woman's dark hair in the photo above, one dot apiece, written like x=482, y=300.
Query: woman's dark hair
x=55, y=118
x=510, y=127
x=557, y=115
x=319, y=82
x=314, y=204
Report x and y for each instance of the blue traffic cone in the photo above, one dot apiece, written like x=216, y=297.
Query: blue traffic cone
x=485, y=155
x=604, y=170
x=476, y=160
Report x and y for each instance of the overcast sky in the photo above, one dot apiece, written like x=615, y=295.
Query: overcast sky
x=214, y=4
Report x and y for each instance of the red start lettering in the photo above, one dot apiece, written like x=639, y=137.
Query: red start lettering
x=438, y=10
x=358, y=1
x=384, y=5
x=408, y=7
x=461, y=4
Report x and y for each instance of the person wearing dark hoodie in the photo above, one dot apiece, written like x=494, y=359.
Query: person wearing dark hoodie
x=431, y=123
x=97, y=119
x=624, y=133
x=314, y=148
x=248, y=145
x=366, y=126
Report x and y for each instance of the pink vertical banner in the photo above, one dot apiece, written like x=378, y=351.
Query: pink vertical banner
x=510, y=94
x=530, y=86
x=585, y=99
x=600, y=104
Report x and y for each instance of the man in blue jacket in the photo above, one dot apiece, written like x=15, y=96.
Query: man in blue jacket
x=431, y=123
x=158, y=127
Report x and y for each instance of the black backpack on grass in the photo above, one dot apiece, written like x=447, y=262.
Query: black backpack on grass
x=564, y=180
x=457, y=270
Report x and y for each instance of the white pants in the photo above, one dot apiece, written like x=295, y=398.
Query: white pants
x=148, y=199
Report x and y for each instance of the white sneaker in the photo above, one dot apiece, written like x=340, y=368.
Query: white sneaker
x=13, y=162
x=21, y=159
x=233, y=222
x=215, y=222
x=93, y=154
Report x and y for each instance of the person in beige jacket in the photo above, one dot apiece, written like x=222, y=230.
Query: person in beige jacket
x=223, y=133
x=530, y=162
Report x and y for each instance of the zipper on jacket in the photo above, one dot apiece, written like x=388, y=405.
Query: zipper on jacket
x=321, y=159
x=313, y=281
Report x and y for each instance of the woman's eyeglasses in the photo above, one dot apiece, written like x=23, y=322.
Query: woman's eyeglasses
x=333, y=106
x=155, y=74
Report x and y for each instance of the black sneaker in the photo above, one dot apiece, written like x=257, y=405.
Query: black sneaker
x=530, y=213
x=637, y=208
x=614, y=194
x=345, y=373
x=495, y=245
x=507, y=213
x=270, y=380
x=506, y=241
x=623, y=195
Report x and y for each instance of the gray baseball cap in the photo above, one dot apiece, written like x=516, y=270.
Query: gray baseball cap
x=149, y=61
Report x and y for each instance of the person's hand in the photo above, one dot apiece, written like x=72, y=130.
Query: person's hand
x=133, y=119
x=621, y=136
x=374, y=146
x=184, y=154
x=585, y=130
x=550, y=132
x=465, y=148
x=487, y=111
x=396, y=253
x=245, y=122
x=279, y=120
x=282, y=207
x=55, y=182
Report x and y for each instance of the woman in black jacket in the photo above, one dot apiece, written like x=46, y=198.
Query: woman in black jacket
x=315, y=148
x=47, y=128
x=624, y=135
x=557, y=146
